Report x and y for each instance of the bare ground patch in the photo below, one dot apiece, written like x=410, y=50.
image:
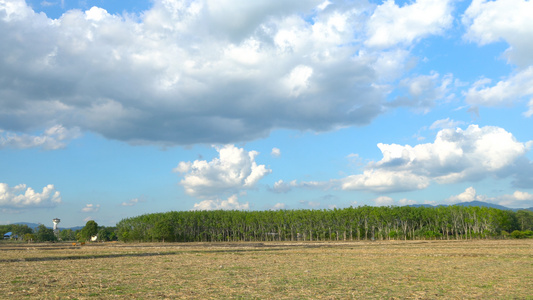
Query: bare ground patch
x=270, y=270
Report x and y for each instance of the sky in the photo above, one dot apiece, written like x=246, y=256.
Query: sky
x=114, y=109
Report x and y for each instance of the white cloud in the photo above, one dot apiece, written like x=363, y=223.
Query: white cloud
x=233, y=171
x=377, y=180
x=503, y=93
x=279, y=206
x=203, y=71
x=275, y=152
x=406, y=201
x=52, y=138
x=445, y=124
x=91, y=208
x=518, y=199
x=231, y=204
x=508, y=20
x=132, y=202
x=390, y=24
x=21, y=196
x=383, y=201
x=529, y=112
x=284, y=187
x=422, y=92
x=468, y=195
x=455, y=155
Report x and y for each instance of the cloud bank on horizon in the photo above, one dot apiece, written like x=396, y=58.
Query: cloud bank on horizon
x=227, y=73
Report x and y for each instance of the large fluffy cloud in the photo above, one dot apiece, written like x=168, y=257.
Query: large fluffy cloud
x=235, y=170
x=456, y=155
x=508, y=20
x=21, y=196
x=391, y=24
x=186, y=72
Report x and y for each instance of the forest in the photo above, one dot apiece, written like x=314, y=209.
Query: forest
x=359, y=223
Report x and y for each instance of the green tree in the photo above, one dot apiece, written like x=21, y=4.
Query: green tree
x=43, y=234
x=28, y=237
x=90, y=230
x=525, y=219
x=106, y=234
x=67, y=235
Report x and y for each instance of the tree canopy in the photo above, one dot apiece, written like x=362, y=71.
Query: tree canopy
x=366, y=222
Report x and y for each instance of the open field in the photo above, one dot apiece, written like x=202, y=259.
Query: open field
x=486, y=269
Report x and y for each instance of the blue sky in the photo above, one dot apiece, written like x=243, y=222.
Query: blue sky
x=112, y=109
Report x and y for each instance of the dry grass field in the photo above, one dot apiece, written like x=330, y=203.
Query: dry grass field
x=345, y=270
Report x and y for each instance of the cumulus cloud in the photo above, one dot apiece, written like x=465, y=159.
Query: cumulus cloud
x=383, y=201
x=55, y=137
x=455, y=155
x=503, y=93
x=509, y=20
x=234, y=170
x=390, y=24
x=21, y=196
x=232, y=203
x=468, y=195
x=191, y=72
x=91, y=208
x=377, y=180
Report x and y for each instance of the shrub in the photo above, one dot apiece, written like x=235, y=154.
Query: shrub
x=517, y=234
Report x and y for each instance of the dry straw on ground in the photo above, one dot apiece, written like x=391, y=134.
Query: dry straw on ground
x=348, y=270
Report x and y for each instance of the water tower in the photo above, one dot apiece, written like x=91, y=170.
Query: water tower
x=56, y=221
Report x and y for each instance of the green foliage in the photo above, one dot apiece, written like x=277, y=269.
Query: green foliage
x=517, y=234
x=90, y=230
x=44, y=234
x=29, y=237
x=406, y=223
x=106, y=234
x=67, y=235
x=525, y=219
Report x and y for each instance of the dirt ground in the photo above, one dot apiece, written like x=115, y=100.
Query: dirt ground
x=482, y=269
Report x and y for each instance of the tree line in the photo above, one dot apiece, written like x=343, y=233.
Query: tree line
x=354, y=223
x=45, y=234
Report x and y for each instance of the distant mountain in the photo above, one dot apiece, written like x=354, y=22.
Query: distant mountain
x=484, y=204
x=35, y=225
x=475, y=203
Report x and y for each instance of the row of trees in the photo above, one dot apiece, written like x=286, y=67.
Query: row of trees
x=360, y=223
x=45, y=234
